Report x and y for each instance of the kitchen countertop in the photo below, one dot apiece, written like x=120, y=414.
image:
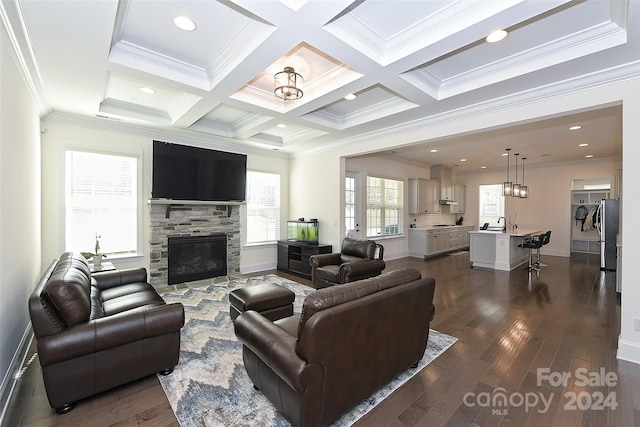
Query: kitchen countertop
x=441, y=228
x=520, y=232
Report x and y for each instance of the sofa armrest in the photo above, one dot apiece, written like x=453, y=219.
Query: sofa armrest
x=273, y=345
x=319, y=260
x=110, y=279
x=110, y=332
x=360, y=268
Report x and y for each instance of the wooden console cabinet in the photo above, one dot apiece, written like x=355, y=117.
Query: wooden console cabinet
x=293, y=257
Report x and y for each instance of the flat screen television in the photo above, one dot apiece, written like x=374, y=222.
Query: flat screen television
x=181, y=172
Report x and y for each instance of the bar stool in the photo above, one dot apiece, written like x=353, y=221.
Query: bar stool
x=531, y=243
x=547, y=238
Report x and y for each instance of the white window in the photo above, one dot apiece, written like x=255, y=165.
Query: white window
x=491, y=206
x=384, y=207
x=263, y=207
x=102, y=193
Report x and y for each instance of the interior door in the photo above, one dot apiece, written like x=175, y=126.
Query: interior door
x=352, y=206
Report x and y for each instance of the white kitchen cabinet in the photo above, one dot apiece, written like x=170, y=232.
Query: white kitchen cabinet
x=437, y=241
x=424, y=196
x=427, y=242
x=459, y=194
x=456, y=239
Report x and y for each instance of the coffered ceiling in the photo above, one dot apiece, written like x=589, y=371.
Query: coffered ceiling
x=406, y=61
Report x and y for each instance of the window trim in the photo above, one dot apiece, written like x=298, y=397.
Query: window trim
x=401, y=208
x=140, y=206
x=245, y=214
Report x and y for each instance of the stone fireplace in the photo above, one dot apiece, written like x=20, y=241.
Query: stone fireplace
x=193, y=258
x=168, y=221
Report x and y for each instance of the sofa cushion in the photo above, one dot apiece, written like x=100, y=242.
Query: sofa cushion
x=358, y=248
x=68, y=291
x=329, y=272
x=336, y=295
x=129, y=297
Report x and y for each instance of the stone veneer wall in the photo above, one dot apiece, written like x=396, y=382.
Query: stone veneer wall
x=191, y=220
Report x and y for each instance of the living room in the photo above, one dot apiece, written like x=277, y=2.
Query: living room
x=32, y=181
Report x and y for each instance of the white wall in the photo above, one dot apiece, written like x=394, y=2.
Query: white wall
x=548, y=206
x=627, y=92
x=20, y=265
x=316, y=182
x=629, y=342
x=93, y=134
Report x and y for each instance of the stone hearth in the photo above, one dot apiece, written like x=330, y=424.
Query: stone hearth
x=191, y=220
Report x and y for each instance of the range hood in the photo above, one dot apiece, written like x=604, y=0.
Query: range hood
x=444, y=175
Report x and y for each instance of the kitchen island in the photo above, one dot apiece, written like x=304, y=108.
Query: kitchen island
x=499, y=250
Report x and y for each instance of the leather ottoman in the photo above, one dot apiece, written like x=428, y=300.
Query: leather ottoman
x=272, y=301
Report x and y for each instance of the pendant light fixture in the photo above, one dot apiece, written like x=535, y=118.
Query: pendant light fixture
x=507, y=186
x=288, y=84
x=524, y=190
x=515, y=190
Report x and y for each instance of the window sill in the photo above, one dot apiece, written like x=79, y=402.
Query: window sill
x=388, y=237
x=124, y=258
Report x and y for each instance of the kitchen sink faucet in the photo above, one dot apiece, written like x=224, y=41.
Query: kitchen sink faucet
x=504, y=227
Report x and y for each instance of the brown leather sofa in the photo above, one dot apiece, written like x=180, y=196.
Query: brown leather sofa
x=349, y=341
x=96, y=332
x=357, y=260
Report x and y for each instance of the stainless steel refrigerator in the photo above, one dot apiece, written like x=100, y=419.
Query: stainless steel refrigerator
x=607, y=218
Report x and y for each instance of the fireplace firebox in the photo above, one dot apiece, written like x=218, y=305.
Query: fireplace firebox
x=196, y=258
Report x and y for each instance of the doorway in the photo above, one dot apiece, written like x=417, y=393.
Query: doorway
x=352, y=205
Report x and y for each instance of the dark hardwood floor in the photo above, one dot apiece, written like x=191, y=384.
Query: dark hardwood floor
x=509, y=326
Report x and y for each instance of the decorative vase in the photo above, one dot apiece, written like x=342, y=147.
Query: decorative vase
x=97, y=261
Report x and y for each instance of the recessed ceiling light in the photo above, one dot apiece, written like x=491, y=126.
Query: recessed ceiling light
x=148, y=90
x=281, y=125
x=434, y=150
x=463, y=160
x=504, y=154
x=588, y=156
x=184, y=23
x=496, y=36
x=584, y=144
x=350, y=97
x=483, y=167
x=576, y=127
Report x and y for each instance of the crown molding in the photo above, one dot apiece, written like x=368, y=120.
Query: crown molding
x=603, y=78
x=185, y=136
x=23, y=53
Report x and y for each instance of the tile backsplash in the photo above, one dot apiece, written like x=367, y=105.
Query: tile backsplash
x=426, y=220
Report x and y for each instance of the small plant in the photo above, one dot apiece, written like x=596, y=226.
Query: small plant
x=89, y=255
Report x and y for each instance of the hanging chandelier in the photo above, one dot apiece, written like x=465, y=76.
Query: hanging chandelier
x=507, y=186
x=524, y=190
x=515, y=189
x=288, y=84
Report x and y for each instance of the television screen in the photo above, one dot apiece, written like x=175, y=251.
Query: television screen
x=181, y=172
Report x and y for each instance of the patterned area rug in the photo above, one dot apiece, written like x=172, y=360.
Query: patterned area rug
x=210, y=387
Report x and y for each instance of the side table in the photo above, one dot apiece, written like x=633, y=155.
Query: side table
x=105, y=266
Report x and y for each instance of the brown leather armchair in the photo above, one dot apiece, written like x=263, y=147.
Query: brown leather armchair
x=349, y=341
x=357, y=260
x=96, y=332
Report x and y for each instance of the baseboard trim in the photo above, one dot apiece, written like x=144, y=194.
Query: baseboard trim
x=255, y=268
x=629, y=351
x=14, y=372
